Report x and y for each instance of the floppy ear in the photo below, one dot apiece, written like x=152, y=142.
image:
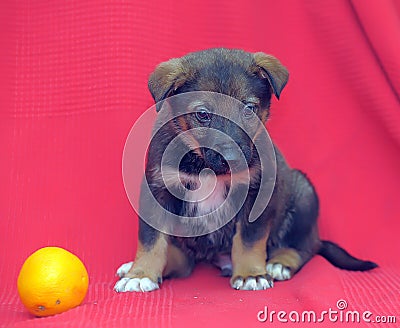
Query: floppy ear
x=166, y=78
x=271, y=69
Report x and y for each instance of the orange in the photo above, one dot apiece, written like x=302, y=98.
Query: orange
x=52, y=280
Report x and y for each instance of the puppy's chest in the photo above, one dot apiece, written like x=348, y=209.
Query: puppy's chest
x=203, y=199
x=204, y=195
x=207, y=247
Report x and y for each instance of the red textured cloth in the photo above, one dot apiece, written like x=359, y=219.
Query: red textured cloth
x=74, y=80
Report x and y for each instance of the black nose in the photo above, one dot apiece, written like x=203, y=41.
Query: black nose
x=233, y=157
x=229, y=153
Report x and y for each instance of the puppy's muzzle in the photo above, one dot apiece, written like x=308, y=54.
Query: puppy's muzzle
x=231, y=155
x=224, y=158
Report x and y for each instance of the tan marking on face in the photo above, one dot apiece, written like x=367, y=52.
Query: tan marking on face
x=183, y=126
x=192, y=143
x=243, y=177
x=182, y=123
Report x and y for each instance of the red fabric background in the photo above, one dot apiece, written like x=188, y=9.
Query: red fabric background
x=73, y=82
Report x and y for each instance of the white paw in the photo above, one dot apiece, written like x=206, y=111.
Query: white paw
x=237, y=283
x=135, y=285
x=278, y=271
x=252, y=283
x=123, y=269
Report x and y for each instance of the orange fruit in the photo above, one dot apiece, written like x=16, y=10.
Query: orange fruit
x=52, y=280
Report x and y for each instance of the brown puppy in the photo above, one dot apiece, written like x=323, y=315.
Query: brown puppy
x=284, y=235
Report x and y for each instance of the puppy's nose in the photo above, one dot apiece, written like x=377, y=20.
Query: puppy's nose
x=229, y=153
x=233, y=157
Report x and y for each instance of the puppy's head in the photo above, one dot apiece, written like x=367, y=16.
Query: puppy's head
x=250, y=79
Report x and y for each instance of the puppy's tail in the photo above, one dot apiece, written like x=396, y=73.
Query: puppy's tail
x=337, y=256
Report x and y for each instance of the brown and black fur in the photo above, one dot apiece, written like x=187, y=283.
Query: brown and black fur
x=286, y=233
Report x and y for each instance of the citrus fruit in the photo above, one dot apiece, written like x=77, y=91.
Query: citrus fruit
x=52, y=280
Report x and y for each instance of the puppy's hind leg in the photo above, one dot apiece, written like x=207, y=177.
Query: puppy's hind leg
x=284, y=263
x=223, y=261
x=300, y=241
x=178, y=263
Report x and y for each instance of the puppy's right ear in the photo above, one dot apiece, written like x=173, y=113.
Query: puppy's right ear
x=166, y=79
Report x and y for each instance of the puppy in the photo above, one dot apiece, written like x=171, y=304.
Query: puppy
x=282, y=237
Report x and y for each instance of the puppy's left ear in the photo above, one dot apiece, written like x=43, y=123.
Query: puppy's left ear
x=166, y=78
x=270, y=68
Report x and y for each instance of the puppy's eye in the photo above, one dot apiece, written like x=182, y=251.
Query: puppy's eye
x=250, y=109
x=202, y=115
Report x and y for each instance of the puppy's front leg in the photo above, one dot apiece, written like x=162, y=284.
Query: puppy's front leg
x=248, y=259
x=145, y=273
